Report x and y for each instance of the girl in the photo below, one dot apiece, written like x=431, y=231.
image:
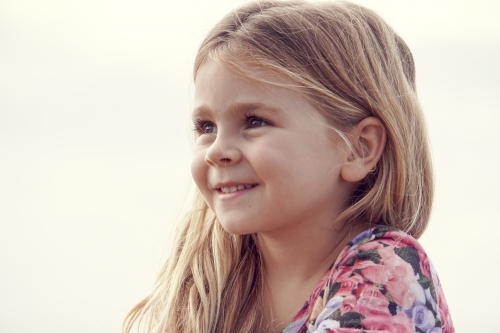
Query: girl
x=314, y=178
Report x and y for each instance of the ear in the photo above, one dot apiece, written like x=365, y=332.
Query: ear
x=368, y=140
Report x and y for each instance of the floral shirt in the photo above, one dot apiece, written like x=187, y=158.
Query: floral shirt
x=382, y=282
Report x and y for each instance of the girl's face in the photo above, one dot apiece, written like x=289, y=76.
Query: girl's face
x=264, y=159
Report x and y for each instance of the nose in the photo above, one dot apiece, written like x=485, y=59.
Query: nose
x=223, y=151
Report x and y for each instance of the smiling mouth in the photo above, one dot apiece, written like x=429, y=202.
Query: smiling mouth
x=231, y=189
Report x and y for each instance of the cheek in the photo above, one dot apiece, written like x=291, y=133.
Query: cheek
x=199, y=170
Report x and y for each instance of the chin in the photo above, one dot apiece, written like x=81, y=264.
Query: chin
x=237, y=228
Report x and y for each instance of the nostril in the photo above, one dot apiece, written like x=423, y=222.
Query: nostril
x=216, y=155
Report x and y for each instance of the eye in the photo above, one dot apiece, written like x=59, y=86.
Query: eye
x=205, y=127
x=255, y=122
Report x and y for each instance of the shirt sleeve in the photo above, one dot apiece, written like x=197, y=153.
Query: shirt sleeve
x=385, y=284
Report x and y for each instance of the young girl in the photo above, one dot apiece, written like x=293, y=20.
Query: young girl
x=314, y=178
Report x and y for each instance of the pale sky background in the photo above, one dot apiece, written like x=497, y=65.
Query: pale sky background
x=95, y=151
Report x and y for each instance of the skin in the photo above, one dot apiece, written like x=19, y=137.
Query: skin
x=294, y=171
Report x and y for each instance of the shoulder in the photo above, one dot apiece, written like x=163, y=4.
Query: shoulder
x=382, y=281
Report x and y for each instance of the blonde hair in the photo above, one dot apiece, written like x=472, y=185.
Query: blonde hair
x=351, y=65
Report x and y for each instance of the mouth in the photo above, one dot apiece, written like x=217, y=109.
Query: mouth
x=236, y=188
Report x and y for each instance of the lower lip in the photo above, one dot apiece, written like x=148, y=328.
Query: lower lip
x=232, y=195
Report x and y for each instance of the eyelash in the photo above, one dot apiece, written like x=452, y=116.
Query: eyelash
x=249, y=117
x=200, y=125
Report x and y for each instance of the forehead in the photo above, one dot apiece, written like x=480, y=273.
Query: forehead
x=217, y=87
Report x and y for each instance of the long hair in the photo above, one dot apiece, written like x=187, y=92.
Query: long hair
x=351, y=65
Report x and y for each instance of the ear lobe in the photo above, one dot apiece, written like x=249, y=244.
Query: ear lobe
x=368, y=140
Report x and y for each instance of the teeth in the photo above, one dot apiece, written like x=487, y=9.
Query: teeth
x=231, y=189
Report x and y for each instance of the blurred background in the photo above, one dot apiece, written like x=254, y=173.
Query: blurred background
x=95, y=145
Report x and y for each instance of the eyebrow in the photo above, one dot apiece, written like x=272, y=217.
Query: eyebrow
x=204, y=111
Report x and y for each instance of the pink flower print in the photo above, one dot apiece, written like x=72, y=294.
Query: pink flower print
x=345, y=271
x=389, y=257
x=374, y=245
x=399, y=239
x=348, y=285
x=446, y=323
x=379, y=319
x=371, y=291
x=425, y=266
x=348, y=304
x=399, y=284
x=396, y=274
x=375, y=311
x=373, y=305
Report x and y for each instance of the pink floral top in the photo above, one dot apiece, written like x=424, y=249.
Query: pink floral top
x=382, y=282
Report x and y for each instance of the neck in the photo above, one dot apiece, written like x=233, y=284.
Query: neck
x=303, y=254
x=294, y=263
